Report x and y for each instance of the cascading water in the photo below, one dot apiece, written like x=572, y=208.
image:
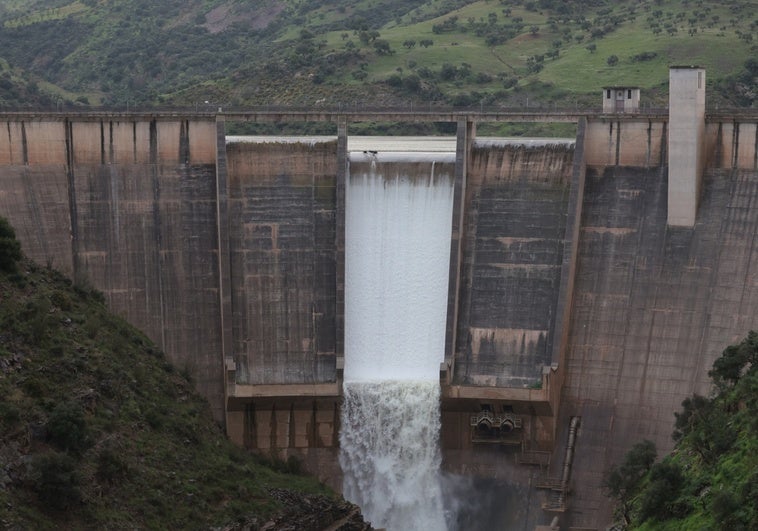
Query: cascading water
x=397, y=251
x=390, y=455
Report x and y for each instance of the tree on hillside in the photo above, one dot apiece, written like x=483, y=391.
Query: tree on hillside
x=382, y=47
x=623, y=482
x=10, y=248
x=735, y=361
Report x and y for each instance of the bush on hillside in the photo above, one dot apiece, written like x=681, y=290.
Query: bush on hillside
x=67, y=428
x=56, y=481
x=10, y=248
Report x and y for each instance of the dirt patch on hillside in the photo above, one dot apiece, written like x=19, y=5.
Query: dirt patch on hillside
x=256, y=16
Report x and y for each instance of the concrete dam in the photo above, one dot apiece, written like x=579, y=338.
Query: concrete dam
x=590, y=282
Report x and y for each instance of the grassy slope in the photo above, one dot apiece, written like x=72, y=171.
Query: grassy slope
x=146, y=451
x=576, y=69
x=145, y=52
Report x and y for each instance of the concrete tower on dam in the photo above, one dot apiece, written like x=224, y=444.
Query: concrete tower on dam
x=592, y=281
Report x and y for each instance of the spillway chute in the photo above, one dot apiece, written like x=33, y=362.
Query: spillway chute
x=397, y=252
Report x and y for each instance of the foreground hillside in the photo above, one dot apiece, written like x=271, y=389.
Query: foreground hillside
x=369, y=52
x=710, y=480
x=98, y=430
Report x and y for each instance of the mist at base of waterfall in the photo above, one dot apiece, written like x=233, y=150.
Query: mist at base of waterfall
x=390, y=453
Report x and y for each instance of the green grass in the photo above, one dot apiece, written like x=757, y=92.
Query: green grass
x=581, y=71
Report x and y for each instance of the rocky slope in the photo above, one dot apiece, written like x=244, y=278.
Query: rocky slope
x=98, y=430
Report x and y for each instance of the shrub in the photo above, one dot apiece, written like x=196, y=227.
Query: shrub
x=644, y=56
x=61, y=300
x=9, y=415
x=624, y=481
x=292, y=465
x=723, y=506
x=412, y=83
x=394, y=80
x=55, y=480
x=92, y=325
x=735, y=361
x=10, y=248
x=659, y=500
x=67, y=427
x=110, y=466
x=38, y=319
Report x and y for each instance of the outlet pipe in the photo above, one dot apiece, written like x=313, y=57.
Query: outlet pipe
x=568, y=459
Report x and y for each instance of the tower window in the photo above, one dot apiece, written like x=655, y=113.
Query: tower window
x=629, y=94
x=608, y=94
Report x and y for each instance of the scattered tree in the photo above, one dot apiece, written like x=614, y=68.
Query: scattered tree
x=382, y=47
x=10, y=248
x=736, y=359
x=623, y=482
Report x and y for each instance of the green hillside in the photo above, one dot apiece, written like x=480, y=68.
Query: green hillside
x=369, y=52
x=710, y=480
x=99, y=431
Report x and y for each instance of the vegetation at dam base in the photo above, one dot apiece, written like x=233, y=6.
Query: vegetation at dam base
x=465, y=53
x=99, y=430
x=710, y=480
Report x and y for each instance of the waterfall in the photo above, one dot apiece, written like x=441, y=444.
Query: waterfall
x=397, y=252
x=390, y=453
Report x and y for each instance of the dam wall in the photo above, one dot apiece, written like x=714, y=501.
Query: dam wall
x=574, y=296
x=732, y=144
x=653, y=307
x=516, y=203
x=282, y=388
x=282, y=211
x=127, y=206
x=617, y=140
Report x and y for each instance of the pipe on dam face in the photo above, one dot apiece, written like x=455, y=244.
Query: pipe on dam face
x=568, y=458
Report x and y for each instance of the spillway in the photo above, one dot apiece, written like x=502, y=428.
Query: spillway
x=397, y=252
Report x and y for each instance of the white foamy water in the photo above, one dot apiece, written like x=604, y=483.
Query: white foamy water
x=397, y=252
x=390, y=453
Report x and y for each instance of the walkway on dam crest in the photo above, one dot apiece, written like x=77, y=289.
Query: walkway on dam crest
x=288, y=114
x=345, y=113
